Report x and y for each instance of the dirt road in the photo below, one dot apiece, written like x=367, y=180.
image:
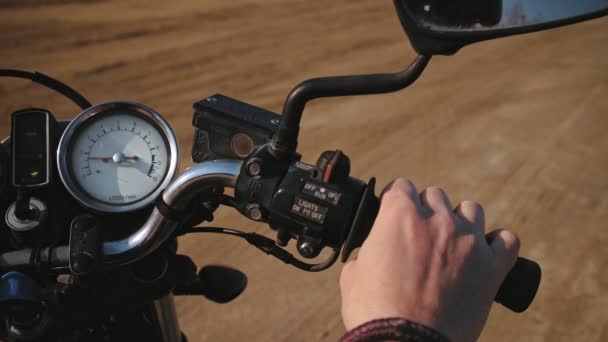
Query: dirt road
x=517, y=124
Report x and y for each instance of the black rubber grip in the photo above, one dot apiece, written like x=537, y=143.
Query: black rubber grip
x=520, y=286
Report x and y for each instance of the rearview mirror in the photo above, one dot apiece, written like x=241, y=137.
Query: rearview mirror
x=444, y=26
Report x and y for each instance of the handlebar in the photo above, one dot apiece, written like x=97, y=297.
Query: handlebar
x=177, y=196
x=516, y=293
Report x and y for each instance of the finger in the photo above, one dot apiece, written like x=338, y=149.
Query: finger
x=400, y=191
x=435, y=199
x=505, y=245
x=472, y=213
x=387, y=188
x=346, y=274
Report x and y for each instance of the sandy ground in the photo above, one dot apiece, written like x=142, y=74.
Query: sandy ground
x=518, y=124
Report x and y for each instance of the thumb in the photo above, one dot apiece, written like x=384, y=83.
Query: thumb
x=505, y=245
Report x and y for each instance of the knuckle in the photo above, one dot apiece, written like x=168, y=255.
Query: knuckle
x=508, y=248
x=401, y=183
x=471, y=212
x=399, y=187
x=471, y=206
x=436, y=198
x=447, y=225
x=398, y=197
x=512, y=241
x=436, y=190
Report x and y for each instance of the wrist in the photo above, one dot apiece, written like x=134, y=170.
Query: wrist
x=393, y=329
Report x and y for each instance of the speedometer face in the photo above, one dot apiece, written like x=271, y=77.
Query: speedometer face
x=117, y=157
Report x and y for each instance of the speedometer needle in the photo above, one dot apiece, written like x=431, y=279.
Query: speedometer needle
x=116, y=158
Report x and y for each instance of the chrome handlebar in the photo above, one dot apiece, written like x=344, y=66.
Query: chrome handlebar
x=157, y=229
x=178, y=195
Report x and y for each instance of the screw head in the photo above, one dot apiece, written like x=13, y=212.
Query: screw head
x=306, y=249
x=254, y=212
x=254, y=168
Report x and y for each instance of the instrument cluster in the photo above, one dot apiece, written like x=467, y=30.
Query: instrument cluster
x=117, y=157
x=111, y=161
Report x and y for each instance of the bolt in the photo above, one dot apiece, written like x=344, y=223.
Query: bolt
x=274, y=121
x=254, y=212
x=254, y=167
x=306, y=249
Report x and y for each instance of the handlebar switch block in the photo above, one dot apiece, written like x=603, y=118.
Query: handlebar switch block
x=313, y=204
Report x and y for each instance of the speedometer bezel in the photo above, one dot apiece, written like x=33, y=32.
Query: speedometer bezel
x=109, y=108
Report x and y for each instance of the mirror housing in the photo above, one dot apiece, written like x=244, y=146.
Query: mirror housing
x=442, y=27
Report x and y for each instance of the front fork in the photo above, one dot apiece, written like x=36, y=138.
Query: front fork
x=166, y=319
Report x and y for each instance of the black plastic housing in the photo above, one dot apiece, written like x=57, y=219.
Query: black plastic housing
x=313, y=204
x=430, y=42
x=226, y=128
x=33, y=137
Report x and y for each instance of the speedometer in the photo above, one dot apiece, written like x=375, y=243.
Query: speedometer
x=117, y=157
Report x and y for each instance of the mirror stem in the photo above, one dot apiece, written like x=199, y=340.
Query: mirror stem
x=285, y=141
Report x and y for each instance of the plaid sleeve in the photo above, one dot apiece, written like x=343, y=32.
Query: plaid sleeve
x=393, y=329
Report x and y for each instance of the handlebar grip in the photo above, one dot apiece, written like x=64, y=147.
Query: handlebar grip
x=520, y=285
x=517, y=290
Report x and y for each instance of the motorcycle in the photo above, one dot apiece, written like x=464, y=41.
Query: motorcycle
x=66, y=275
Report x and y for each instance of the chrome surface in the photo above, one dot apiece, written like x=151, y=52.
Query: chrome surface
x=157, y=228
x=177, y=195
x=199, y=177
x=166, y=316
x=18, y=225
x=99, y=109
x=28, y=333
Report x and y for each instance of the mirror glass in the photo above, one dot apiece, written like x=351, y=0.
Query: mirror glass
x=486, y=15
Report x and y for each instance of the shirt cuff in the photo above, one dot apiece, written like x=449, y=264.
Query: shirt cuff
x=393, y=329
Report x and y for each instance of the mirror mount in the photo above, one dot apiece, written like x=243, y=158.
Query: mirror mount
x=425, y=44
x=285, y=140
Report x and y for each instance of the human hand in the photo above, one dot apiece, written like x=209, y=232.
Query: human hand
x=427, y=262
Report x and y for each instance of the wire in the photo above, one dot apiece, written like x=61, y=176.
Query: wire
x=49, y=82
x=228, y=201
x=269, y=247
x=215, y=230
